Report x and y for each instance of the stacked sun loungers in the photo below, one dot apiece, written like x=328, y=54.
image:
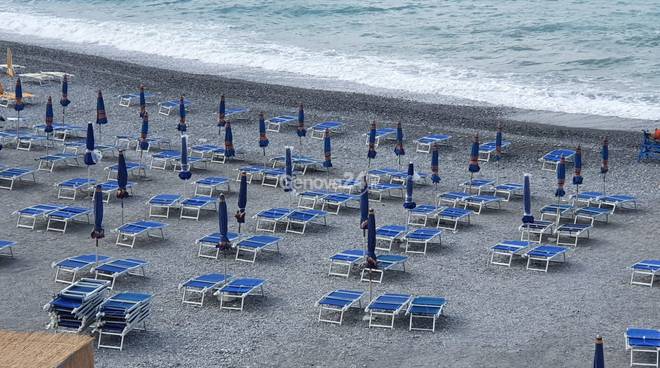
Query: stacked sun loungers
x=12, y=175
x=644, y=342
x=69, y=188
x=275, y=124
x=191, y=208
x=211, y=184
x=59, y=219
x=334, y=304
x=119, y=315
x=48, y=162
x=233, y=294
x=648, y=268
x=318, y=130
x=296, y=220
x=115, y=268
x=128, y=233
x=197, y=288
x=211, y=242
x=6, y=247
x=67, y=270
x=161, y=204
x=425, y=143
x=74, y=307
x=551, y=159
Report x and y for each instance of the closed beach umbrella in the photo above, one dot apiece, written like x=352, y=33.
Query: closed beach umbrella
x=263, y=139
x=181, y=127
x=599, y=354
x=364, y=205
x=301, y=122
x=605, y=155
x=229, y=141
x=498, y=142
x=223, y=225
x=577, y=175
x=288, y=170
x=327, y=149
x=474, y=156
x=371, y=240
x=221, y=112
x=435, y=178
x=90, y=157
x=64, y=99
x=144, y=132
x=242, y=201
x=10, y=64
x=398, y=147
x=101, y=118
x=561, y=178
x=98, y=232
x=122, y=181
x=49, y=121
x=143, y=101
x=185, y=173
x=18, y=103
x=371, y=153
x=527, y=201
x=409, y=204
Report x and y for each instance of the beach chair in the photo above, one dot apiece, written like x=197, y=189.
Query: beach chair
x=116, y=268
x=27, y=140
x=572, y=232
x=477, y=185
x=267, y=220
x=645, y=268
x=163, y=159
x=251, y=173
x=425, y=143
x=347, y=185
x=544, y=254
x=300, y=163
x=128, y=233
x=385, y=262
x=649, y=149
x=536, y=228
x=275, y=124
x=69, y=268
x=191, y=208
x=341, y=264
x=210, y=152
x=310, y=198
x=28, y=216
x=452, y=198
x=586, y=198
x=59, y=219
x=233, y=111
x=318, y=129
x=333, y=202
x=126, y=142
x=387, y=235
x=272, y=177
x=644, y=342
x=6, y=247
x=232, y=295
x=425, y=308
x=509, y=190
x=161, y=204
x=422, y=238
x=298, y=219
x=165, y=108
x=133, y=168
x=487, y=149
x=195, y=289
x=68, y=189
x=127, y=100
x=482, y=201
x=334, y=304
x=119, y=315
x=377, y=190
x=58, y=76
x=39, y=78
x=557, y=211
x=450, y=217
x=386, y=307
x=381, y=135
x=12, y=175
x=62, y=132
x=617, y=201
x=592, y=214
x=247, y=249
x=211, y=242
x=551, y=159
x=396, y=176
x=75, y=307
x=48, y=162
x=110, y=187
x=420, y=215
x=506, y=250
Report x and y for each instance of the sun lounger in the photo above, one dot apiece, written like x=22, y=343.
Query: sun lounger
x=644, y=342
x=592, y=214
x=482, y=201
x=382, y=134
x=165, y=108
x=115, y=268
x=110, y=187
x=420, y=215
x=128, y=233
x=424, y=308
x=131, y=98
x=252, y=245
x=68, y=189
x=385, y=262
x=506, y=250
x=251, y=173
x=126, y=142
x=232, y=295
x=450, y=217
x=509, y=190
x=335, y=303
x=47, y=163
x=59, y=219
x=551, y=159
x=477, y=185
x=196, y=288
x=59, y=76
x=571, y=231
x=39, y=78
x=62, y=132
x=545, y=254
x=333, y=202
x=191, y=208
x=341, y=264
x=387, y=306
x=537, y=228
x=318, y=130
x=298, y=219
x=12, y=175
x=487, y=149
x=310, y=198
x=616, y=201
x=6, y=247
x=211, y=241
x=645, y=268
x=163, y=203
x=424, y=144
x=586, y=197
x=395, y=176
x=275, y=124
x=28, y=216
x=133, y=168
x=267, y=220
x=231, y=111
x=272, y=177
x=389, y=234
x=452, y=198
x=210, y=152
x=74, y=266
x=422, y=238
x=165, y=159
x=300, y=163
x=380, y=189
x=557, y=211
x=75, y=307
x=121, y=314
x=347, y=185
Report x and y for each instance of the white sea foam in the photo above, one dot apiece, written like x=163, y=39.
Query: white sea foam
x=219, y=45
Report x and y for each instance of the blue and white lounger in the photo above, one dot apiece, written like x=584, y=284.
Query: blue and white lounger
x=347, y=185
x=130, y=98
x=26, y=140
x=62, y=132
x=477, y=185
x=387, y=306
x=396, y=176
x=163, y=159
x=482, y=201
x=452, y=198
x=199, y=286
x=128, y=141
x=133, y=168
x=425, y=307
x=592, y=214
x=557, y=211
x=115, y=268
x=551, y=159
x=79, y=147
x=422, y=237
x=310, y=198
x=47, y=163
x=420, y=215
x=387, y=235
x=211, y=242
x=571, y=231
x=300, y=163
x=161, y=204
x=450, y=217
x=616, y=201
x=385, y=262
x=191, y=208
x=545, y=254
x=487, y=149
x=536, y=228
x=318, y=129
x=128, y=233
x=586, y=197
x=68, y=189
x=379, y=189
x=506, y=250
x=275, y=124
x=75, y=307
x=273, y=177
x=9, y=176
x=645, y=268
x=644, y=342
x=28, y=216
x=75, y=265
x=210, y=152
x=232, y=295
x=341, y=264
x=425, y=144
x=298, y=219
x=6, y=247
x=110, y=187
x=335, y=303
x=165, y=108
x=335, y=201
x=251, y=173
x=382, y=134
x=509, y=190
x=121, y=314
x=267, y=220
x=252, y=245
x=59, y=219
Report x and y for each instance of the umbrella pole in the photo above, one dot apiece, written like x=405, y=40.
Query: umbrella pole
x=470, y=184
x=604, y=184
x=18, y=124
x=96, y=254
x=122, y=209
x=63, y=112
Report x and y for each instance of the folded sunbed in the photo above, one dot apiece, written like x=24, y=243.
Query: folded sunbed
x=128, y=233
x=424, y=308
x=75, y=307
x=133, y=168
x=115, y=268
x=275, y=124
x=571, y=231
x=387, y=235
x=129, y=99
x=422, y=238
x=59, y=219
x=74, y=266
x=161, y=204
x=247, y=248
x=382, y=134
x=537, y=228
x=644, y=269
x=121, y=314
x=69, y=188
x=592, y=214
x=318, y=129
x=424, y=144
x=6, y=247
x=28, y=216
x=209, y=185
x=557, y=211
x=211, y=242
x=232, y=295
x=551, y=159
x=110, y=187
x=486, y=150
x=335, y=303
x=196, y=288
x=506, y=250
x=386, y=307
x=477, y=185
x=48, y=162
x=267, y=220
x=545, y=254
x=165, y=108
x=298, y=219
x=191, y=208
x=385, y=262
x=644, y=342
x=12, y=175
x=342, y=263
x=509, y=190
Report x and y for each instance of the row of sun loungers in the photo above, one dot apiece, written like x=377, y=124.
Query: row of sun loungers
x=103, y=267
x=503, y=252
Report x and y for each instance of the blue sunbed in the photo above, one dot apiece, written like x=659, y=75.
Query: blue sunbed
x=336, y=303
x=110, y=187
x=47, y=163
x=128, y=233
x=487, y=149
x=551, y=159
x=69, y=188
x=6, y=247
x=191, y=208
x=421, y=214
x=450, y=217
x=379, y=189
x=338, y=200
x=425, y=307
x=255, y=244
x=592, y=214
x=211, y=242
x=115, y=268
x=389, y=234
x=298, y=219
x=163, y=203
x=318, y=129
x=545, y=254
x=477, y=185
x=422, y=237
x=28, y=216
x=387, y=306
x=645, y=268
x=482, y=201
x=128, y=99
x=232, y=295
x=12, y=175
x=557, y=211
x=165, y=108
x=571, y=231
x=538, y=228
x=425, y=143
x=382, y=134
x=199, y=286
x=133, y=168
x=342, y=263
x=75, y=307
x=121, y=314
x=509, y=190
x=385, y=262
x=211, y=152
x=267, y=220
x=644, y=342
x=59, y=219
x=75, y=265
x=507, y=249
x=275, y=124
x=616, y=201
